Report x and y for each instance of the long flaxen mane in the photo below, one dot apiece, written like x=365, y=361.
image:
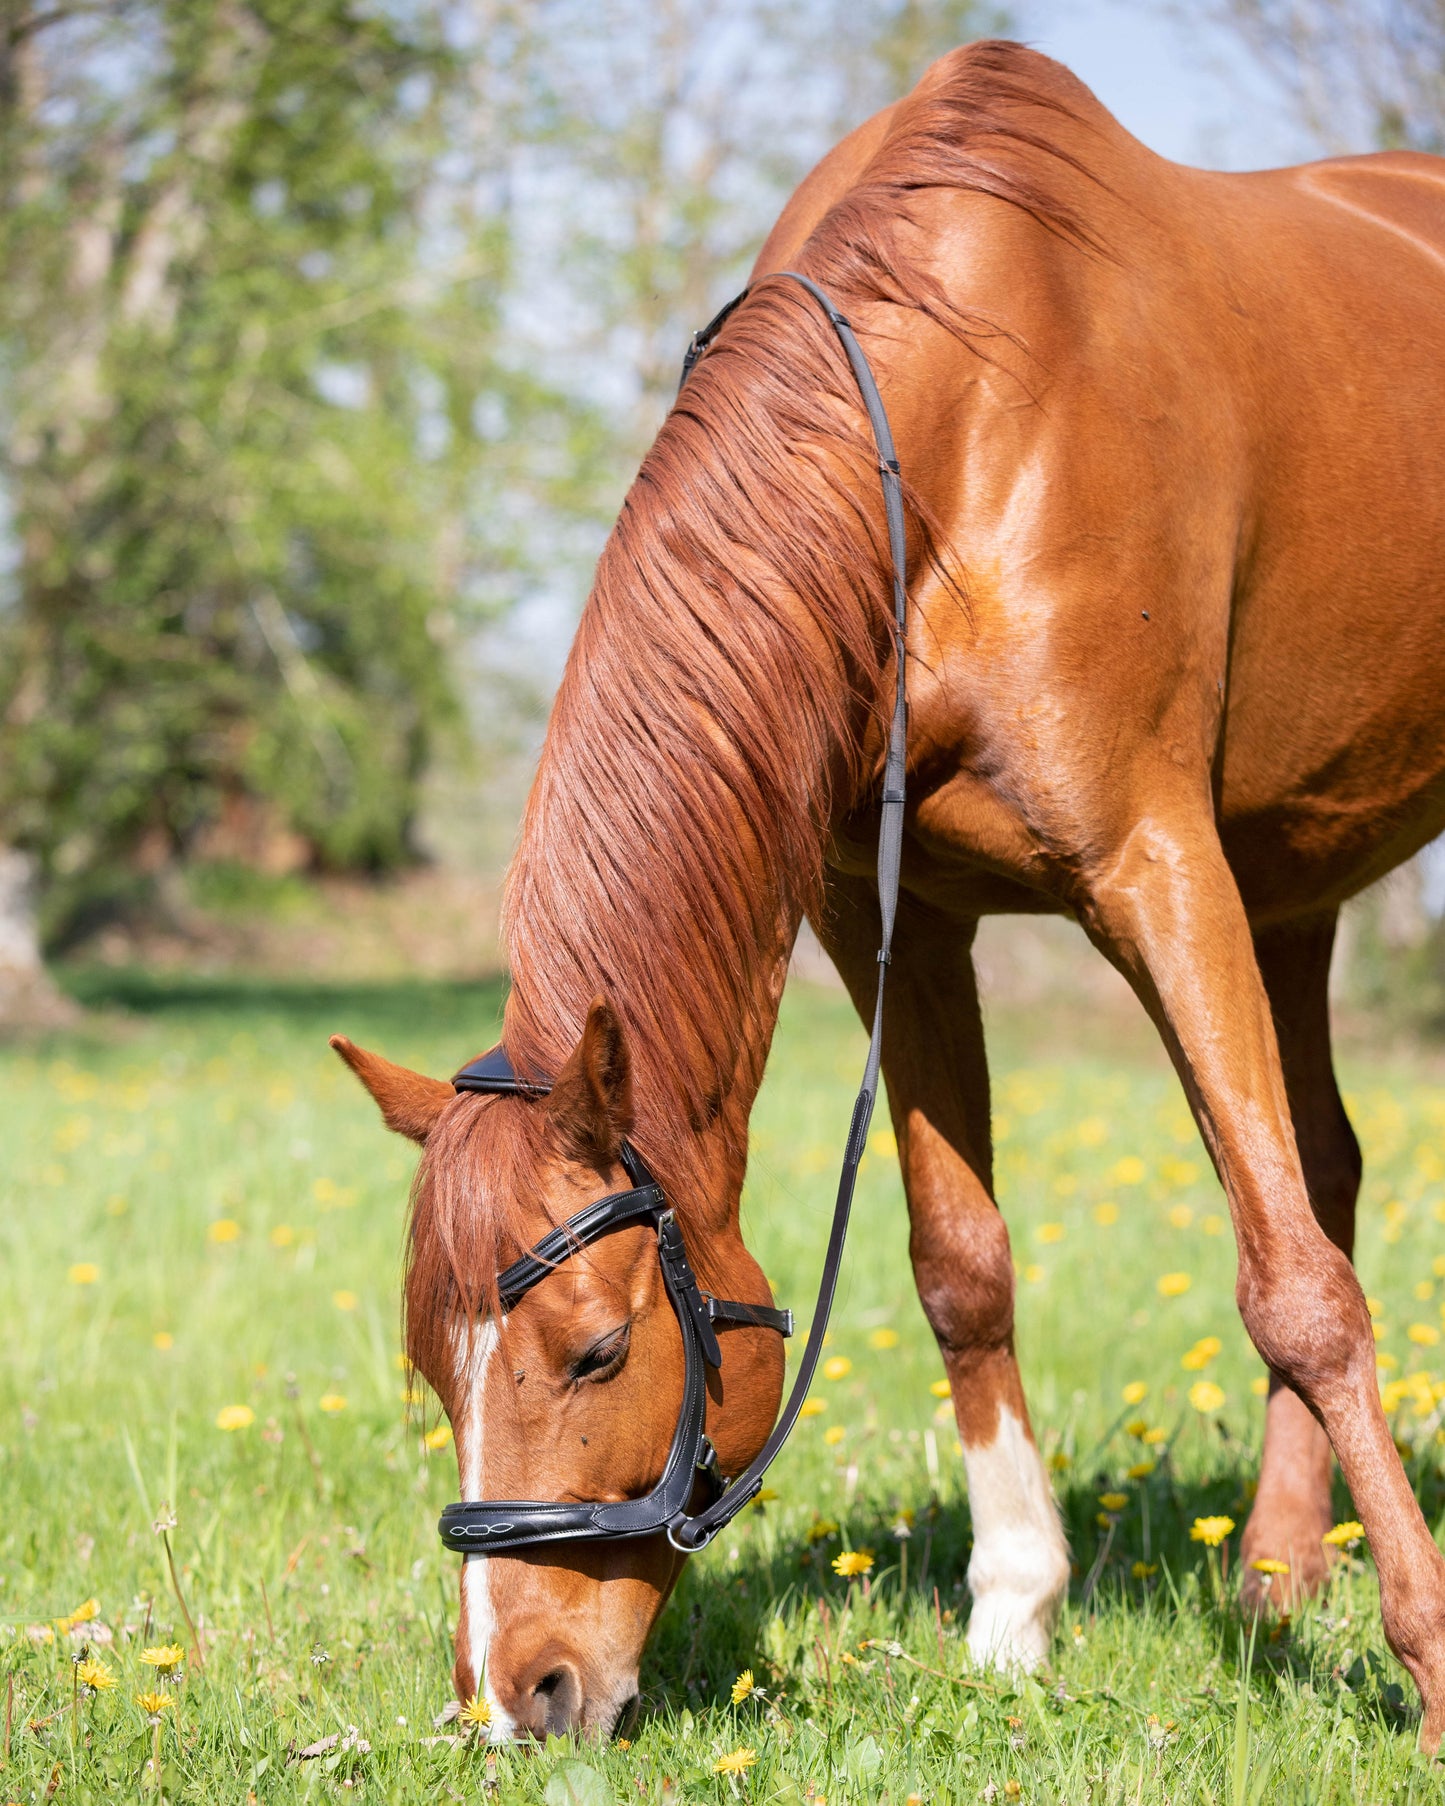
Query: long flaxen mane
x=725, y=696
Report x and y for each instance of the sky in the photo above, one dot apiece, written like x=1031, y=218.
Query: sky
x=1188, y=91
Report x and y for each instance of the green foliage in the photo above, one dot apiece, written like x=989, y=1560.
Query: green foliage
x=221, y=1103
x=249, y=323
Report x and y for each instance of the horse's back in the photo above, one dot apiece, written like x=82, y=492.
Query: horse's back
x=1229, y=387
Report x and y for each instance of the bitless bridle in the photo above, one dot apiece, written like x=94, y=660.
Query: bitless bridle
x=497, y=1526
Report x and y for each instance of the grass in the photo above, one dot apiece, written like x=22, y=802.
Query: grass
x=199, y=1210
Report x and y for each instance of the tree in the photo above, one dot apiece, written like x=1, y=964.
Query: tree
x=683, y=128
x=1358, y=74
x=251, y=324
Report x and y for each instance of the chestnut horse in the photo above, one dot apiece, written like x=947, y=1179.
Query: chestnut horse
x=1177, y=667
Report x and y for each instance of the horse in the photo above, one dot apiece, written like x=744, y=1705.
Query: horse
x=1176, y=541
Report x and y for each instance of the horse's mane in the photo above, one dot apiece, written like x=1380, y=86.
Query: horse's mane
x=715, y=712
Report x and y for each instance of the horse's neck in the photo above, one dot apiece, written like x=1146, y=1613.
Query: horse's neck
x=698, y=1029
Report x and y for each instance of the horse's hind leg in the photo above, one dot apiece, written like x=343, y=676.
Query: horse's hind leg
x=1293, y=1510
x=934, y=1061
x=1163, y=904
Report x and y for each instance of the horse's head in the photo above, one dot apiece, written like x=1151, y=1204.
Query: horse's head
x=574, y=1393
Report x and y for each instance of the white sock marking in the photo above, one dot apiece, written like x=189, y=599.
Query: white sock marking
x=1019, y=1571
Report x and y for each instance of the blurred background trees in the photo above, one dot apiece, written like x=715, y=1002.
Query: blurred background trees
x=1357, y=74
x=330, y=335
x=331, y=332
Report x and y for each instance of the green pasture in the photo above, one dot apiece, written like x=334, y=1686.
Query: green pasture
x=201, y=1217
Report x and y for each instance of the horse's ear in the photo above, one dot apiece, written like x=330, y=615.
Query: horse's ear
x=409, y=1102
x=590, y=1105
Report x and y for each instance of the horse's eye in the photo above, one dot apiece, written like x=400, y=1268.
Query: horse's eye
x=605, y=1357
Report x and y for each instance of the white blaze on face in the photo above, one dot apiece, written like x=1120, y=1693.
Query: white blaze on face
x=1019, y=1570
x=475, y=1352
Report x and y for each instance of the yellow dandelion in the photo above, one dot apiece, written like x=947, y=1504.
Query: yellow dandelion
x=1143, y=1570
x=736, y=1762
x=1210, y=1531
x=332, y=1402
x=1135, y=1392
x=743, y=1686
x=1259, y=1385
x=941, y=1389
x=853, y=1561
x=1425, y=1334
x=153, y=1704
x=1060, y=1462
x=165, y=1658
x=83, y=1273
x=1266, y=1564
x=884, y=1338
x=813, y=1407
x=1205, y=1396
x=282, y=1236
x=1174, y=1285
x=1181, y=1216
x=834, y=1434
x=344, y=1300
x=224, y=1229
x=1141, y=1470
x=1049, y=1233
x=477, y=1712
x=1202, y=1353
x=1106, y=1214
x=1136, y=1426
x=767, y=1495
x=1343, y=1535
x=95, y=1675
x=235, y=1417
x=163, y=1339
x=1033, y=1273
x=1128, y=1171
x=439, y=1437
x=1155, y=1436
x=83, y=1614
x=1113, y=1501
x=821, y=1529
x=1374, y=1306
x=837, y=1367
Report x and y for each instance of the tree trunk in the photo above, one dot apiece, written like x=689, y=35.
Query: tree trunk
x=28, y=996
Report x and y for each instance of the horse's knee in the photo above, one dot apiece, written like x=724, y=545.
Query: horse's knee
x=963, y=1266
x=1306, y=1315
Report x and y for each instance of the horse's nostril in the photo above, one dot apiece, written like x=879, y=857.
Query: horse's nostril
x=556, y=1702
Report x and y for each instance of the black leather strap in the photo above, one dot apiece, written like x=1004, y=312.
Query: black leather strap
x=493, y=1072
x=496, y=1526
x=696, y=1532
x=586, y=1226
x=759, y=1316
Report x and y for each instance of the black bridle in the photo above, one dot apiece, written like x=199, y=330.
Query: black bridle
x=495, y=1526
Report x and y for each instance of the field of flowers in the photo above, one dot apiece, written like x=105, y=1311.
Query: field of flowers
x=219, y=1575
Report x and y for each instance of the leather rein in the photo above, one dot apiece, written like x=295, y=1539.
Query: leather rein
x=497, y=1526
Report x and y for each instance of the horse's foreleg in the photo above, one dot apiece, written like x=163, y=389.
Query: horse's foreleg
x=1292, y=1510
x=937, y=1076
x=1166, y=909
